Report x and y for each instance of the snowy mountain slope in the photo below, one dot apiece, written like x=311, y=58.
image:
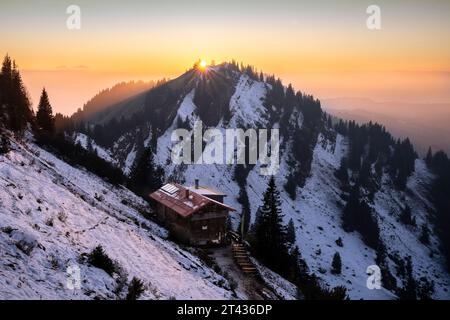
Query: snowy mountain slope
x=56, y=213
x=246, y=104
x=402, y=240
x=84, y=141
x=318, y=205
x=316, y=215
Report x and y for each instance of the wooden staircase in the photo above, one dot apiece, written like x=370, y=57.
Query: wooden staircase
x=242, y=260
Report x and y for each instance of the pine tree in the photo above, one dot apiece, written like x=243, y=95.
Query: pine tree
x=145, y=176
x=6, y=82
x=89, y=146
x=425, y=289
x=294, y=270
x=21, y=103
x=342, y=172
x=261, y=77
x=4, y=144
x=388, y=280
x=429, y=157
x=44, y=116
x=329, y=122
x=364, y=173
x=290, y=232
x=310, y=288
x=99, y=259
x=357, y=216
x=425, y=235
x=409, y=291
x=15, y=107
x=336, y=265
x=402, y=163
x=351, y=210
x=135, y=289
x=406, y=216
x=246, y=212
x=270, y=234
x=338, y=293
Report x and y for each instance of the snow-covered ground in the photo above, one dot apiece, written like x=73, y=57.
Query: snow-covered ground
x=56, y=212
x=83, y=141
x=403, y=240
x=246, y=104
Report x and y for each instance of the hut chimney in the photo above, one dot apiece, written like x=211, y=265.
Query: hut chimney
x=196, y=183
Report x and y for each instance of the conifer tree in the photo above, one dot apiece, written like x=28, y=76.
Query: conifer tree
x=89, y=146
x=270, y=233
x=261, y=77
x=342, y=172
x=409, y=291
x=388, y=280
x=4, y=144
x=44, y=116
x=99, y=259
x=429, y=157
x=290, y=232
x=329, y=122
x=294, y=268
x=425, y=235
x=357, y=216
x=406, y=216
x=364, y=173
x=425, y=289
x=246, y=212
x=6, y=81
x=336, y=265
x=145, y=176
x=351, y=209
x=21, y=102
x=135, y=289
x=15, y=106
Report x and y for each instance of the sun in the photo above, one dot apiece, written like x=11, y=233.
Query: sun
x=202, y=65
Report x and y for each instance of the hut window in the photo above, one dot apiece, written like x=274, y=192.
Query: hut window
x=204, y=227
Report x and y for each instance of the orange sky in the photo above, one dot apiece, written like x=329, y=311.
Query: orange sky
x=322, y=47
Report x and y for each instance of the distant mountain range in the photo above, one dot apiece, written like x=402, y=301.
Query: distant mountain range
x=425, y=124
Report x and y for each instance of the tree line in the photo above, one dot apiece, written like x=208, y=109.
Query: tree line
x=16, y=110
